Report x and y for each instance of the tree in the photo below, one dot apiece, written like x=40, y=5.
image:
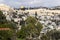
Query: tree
x=36, y=14
x=31, y=29
x=4, y=23
x=44, y=37
x=6, y=34
x=51, y=35
x=55, y=35
x=2, y=18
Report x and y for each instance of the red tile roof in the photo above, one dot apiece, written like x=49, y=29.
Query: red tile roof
x=4, y=28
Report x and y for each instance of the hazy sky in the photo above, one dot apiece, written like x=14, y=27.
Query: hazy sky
x=32, y=3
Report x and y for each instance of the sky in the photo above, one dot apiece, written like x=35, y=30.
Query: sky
x=31, y=3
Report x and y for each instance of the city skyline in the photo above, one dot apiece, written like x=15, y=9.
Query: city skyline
x=31, y=3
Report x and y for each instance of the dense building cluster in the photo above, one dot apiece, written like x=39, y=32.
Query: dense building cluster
x=50, y=19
